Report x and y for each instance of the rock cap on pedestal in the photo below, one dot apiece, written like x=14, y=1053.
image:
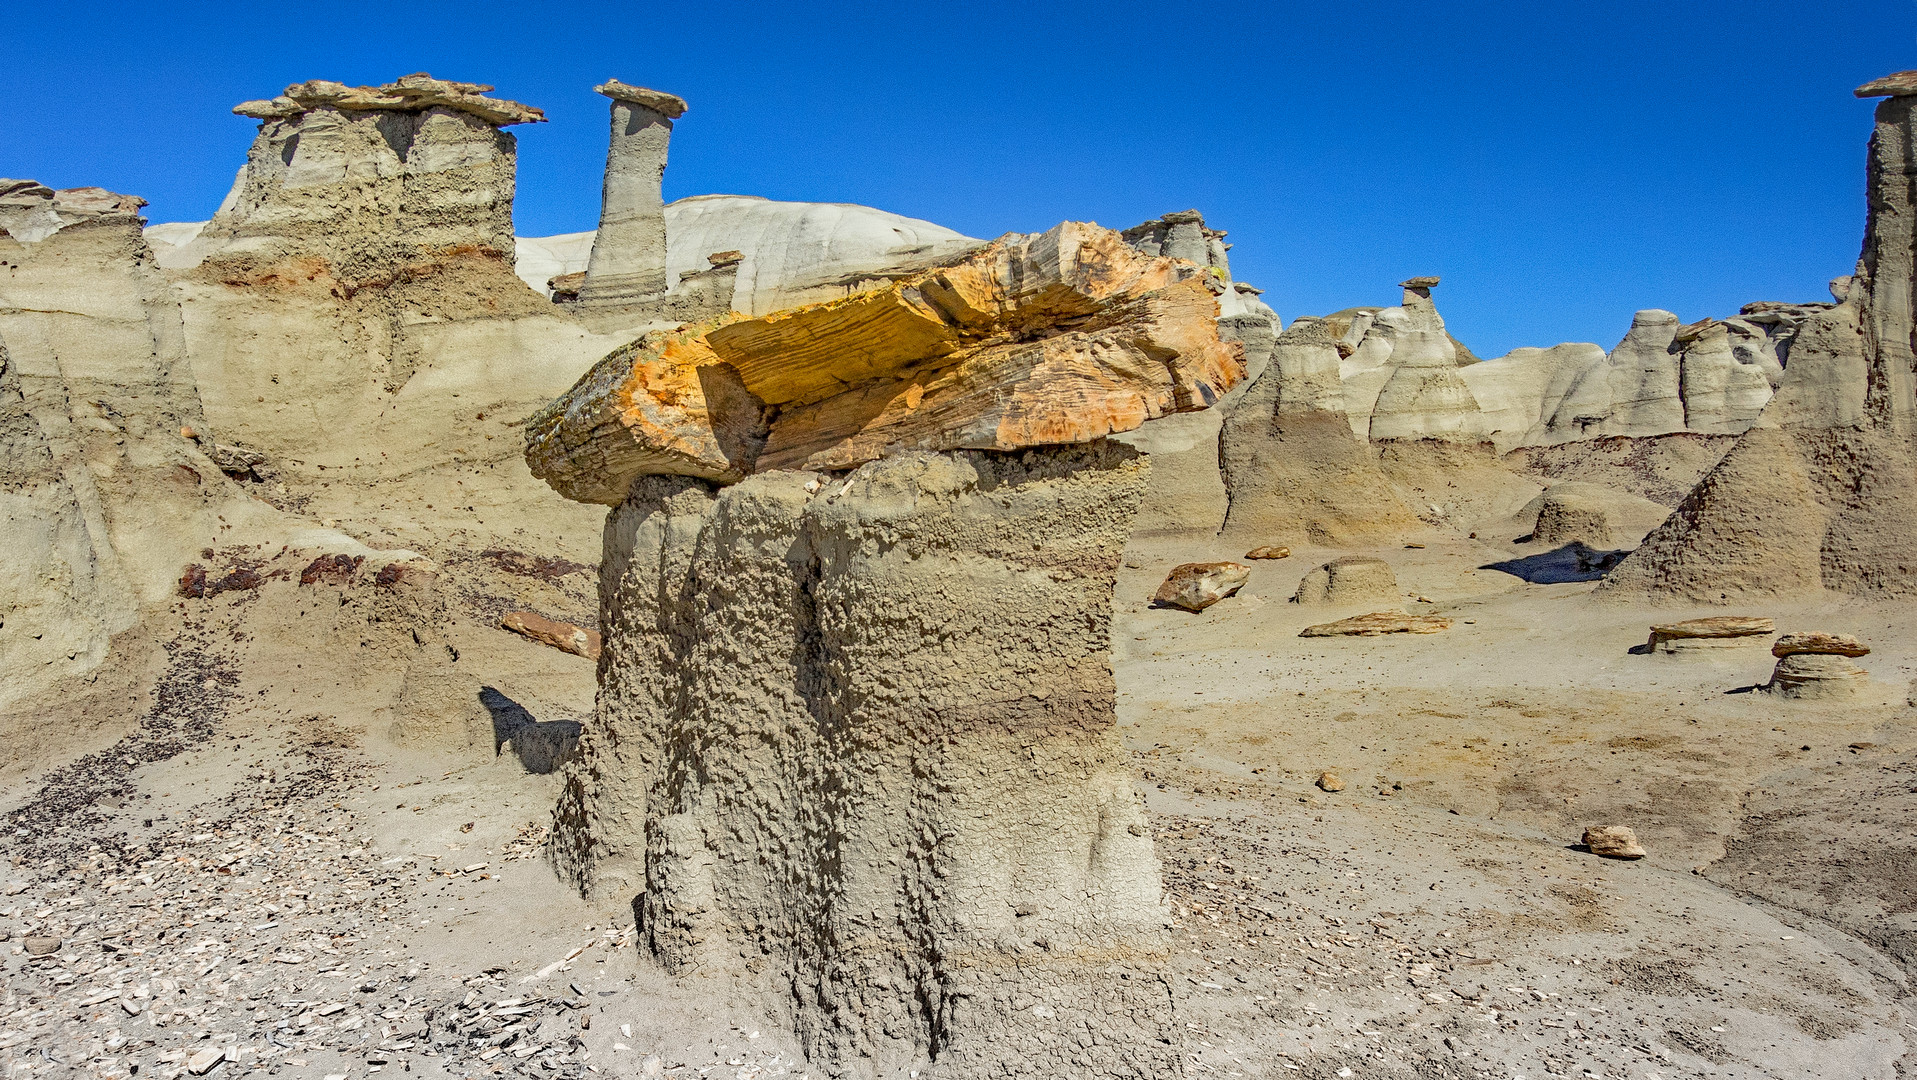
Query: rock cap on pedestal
x=670, y=106
x=1418, y=289
x=1895, y=84
x=410, y=93
x=1050, y=339
x=1812, y=642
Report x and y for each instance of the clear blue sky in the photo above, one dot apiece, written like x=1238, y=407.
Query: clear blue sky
x=1560, y=164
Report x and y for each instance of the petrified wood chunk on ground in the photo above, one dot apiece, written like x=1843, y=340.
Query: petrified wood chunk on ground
x=1613, y=842
x=1049, y=339
x=867, y=732
x=1717, y=632
x=1379, y=623
x=1197, y=586
x=563, y=636
x=1811, y=641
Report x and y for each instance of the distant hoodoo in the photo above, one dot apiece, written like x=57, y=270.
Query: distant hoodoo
x=1822, y=492
x=629, y=252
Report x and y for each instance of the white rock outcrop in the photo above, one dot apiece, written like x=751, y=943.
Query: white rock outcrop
x=101, y=498
x=1294, y=471
x=799, y=252
x=1713, y=377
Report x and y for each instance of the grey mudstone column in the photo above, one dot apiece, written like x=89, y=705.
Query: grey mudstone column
x=629, y=254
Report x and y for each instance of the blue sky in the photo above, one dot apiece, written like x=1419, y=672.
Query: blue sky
x=1560, y=164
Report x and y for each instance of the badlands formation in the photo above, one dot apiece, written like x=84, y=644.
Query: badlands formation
x=764, y=639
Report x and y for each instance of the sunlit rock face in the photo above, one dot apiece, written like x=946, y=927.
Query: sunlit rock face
x=1822, y=492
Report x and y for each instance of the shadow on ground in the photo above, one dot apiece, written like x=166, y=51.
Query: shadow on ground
x=1575, y=561
x=540, y=745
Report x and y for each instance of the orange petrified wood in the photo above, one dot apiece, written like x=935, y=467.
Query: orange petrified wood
x=1060, y=337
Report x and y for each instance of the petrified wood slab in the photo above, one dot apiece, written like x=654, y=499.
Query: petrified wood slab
x=1049, y=339
x=1379, y=623
x=1811, y=642
x=662, y=405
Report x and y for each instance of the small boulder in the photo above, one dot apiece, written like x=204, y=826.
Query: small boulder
x=1706, y=635
x=563, y=636
x=565, y=287
x=202, y=1061
x=1269, y=553
x=1197, y=586
x=1571, y=512
x=1814, y=642
x=42, y=946
x=1817, y=676
x=1378, y=623
x=1353, y=579
x=1613, y=842
x=1330, y=781
x=238, y=462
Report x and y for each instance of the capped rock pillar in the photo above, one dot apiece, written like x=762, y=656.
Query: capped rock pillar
x=629, y=254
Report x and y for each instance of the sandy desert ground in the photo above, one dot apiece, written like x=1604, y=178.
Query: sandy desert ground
x=269, y=881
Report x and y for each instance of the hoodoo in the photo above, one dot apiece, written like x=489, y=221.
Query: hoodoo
x=759, y=639
x=373, y=176
x=1822, y=492
x=856, y=740
x=629, y=252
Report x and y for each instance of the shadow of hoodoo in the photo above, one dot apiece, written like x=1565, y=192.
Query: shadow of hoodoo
x=540, y=746
x=1574, y=561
